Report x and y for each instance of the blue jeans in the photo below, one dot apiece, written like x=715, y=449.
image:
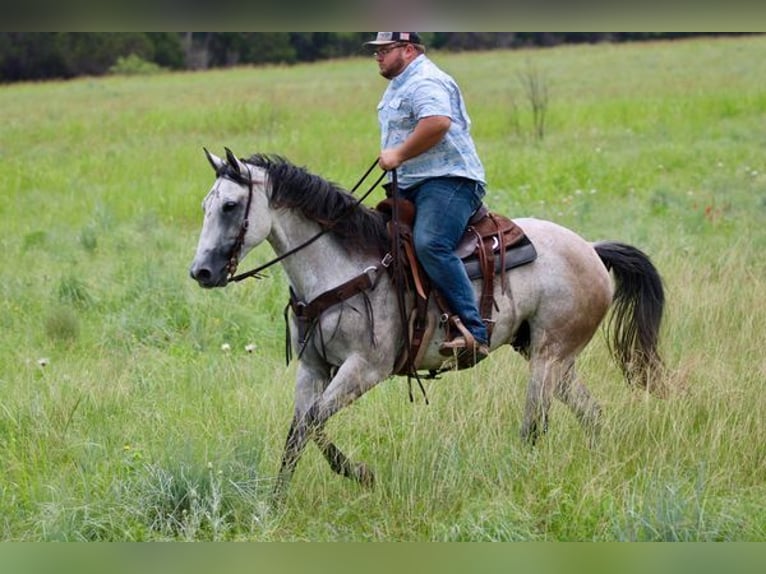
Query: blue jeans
x=443, y=207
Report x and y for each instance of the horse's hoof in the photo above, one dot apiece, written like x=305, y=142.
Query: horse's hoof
x=364, y=475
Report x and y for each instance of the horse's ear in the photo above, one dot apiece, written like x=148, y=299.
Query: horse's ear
x=233, y=161
x=214, y=160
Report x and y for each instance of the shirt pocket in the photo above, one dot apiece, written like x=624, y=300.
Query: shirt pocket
x=392, y=104
x=397, y=112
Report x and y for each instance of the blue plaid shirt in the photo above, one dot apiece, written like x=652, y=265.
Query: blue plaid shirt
x=420, y=91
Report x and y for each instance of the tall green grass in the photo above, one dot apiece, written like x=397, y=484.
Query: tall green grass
x=123, y=417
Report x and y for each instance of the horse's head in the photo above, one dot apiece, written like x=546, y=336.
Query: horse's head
x=236, y=219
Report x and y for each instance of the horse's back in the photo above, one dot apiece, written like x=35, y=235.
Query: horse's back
x=561, y=250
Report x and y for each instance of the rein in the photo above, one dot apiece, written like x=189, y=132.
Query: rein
x=256, y=273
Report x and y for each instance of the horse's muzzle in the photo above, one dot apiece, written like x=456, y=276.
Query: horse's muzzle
x=206, y=278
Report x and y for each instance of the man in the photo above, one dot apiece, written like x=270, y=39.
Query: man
x=425, y=137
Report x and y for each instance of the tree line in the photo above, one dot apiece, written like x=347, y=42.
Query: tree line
x=49, y=55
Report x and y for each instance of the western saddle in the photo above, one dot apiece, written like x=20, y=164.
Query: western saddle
x=491, y=245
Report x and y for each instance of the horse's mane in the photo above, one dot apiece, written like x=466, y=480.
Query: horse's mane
x=322, y=201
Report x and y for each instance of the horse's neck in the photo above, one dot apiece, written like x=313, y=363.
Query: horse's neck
x=319, y=266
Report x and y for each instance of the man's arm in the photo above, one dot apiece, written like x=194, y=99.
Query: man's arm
x=428, y=132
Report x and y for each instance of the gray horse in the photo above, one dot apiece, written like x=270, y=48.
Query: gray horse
x=548, y=311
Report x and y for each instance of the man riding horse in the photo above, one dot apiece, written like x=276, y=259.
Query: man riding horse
x=425, y=137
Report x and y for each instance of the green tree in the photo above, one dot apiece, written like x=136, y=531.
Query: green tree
x=167, y=48
x=29, y=56
x=95, y=53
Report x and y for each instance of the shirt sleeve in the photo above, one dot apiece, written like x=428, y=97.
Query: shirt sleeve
x=431, y=98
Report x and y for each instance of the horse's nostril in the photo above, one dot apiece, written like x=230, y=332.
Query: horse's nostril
x=201, y=275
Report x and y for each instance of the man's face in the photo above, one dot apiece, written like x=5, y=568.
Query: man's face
x=392, y=59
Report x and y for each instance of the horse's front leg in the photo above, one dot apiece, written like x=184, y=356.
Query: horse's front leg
x=340, y=463
x=356, y=376
x=301, y=429
x=294, y=445
x=309, y=384
x=353, y=378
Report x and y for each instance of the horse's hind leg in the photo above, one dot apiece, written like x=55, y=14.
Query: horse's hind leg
x=557, y=376
x=544, y=374
x=573, y=393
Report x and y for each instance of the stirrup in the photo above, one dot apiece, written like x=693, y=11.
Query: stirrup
x=461, y=345
x=468, y=358
x=465, y=355
x=457, y=344
x=465, y=340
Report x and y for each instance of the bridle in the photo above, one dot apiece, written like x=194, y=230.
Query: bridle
x=233, y=262
x=231, y=266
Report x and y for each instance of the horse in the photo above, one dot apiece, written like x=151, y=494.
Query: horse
x=324, y=237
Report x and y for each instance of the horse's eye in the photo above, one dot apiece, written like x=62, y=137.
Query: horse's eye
x=229, y=206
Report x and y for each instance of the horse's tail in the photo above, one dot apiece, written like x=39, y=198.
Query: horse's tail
x=639, y=300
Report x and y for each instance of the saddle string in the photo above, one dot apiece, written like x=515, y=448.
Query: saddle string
x=256, y=273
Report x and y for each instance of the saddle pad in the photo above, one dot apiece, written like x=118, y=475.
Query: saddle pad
x=519, y=254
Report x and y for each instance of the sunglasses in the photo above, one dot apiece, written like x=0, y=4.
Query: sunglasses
x=383, y=52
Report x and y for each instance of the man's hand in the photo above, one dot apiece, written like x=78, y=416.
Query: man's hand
x=390, y=159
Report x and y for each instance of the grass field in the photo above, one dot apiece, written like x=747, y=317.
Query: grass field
x=122, y=418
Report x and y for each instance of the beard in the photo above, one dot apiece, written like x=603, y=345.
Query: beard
x=392, y=69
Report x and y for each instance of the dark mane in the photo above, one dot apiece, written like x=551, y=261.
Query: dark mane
x=324, y=202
